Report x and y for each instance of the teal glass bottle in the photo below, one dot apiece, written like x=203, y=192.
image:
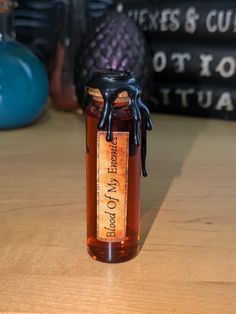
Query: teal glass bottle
x=23, y=79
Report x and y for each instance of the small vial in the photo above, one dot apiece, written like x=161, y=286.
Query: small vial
x=116, y=121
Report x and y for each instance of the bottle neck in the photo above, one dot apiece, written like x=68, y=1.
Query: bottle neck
x=7, y=30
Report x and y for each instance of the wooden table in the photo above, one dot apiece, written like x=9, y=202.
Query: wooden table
x=187, y=263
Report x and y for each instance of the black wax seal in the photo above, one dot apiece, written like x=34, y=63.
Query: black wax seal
x=111, y=83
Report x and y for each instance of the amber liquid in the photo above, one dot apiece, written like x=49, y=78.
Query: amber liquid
x=113, y=252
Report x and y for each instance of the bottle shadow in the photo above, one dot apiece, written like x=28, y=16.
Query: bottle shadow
x=169, y=144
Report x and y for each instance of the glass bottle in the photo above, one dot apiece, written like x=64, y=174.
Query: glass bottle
x=23, y=79
x=114, y=154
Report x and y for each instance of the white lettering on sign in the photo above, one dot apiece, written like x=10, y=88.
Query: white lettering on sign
x=164, y=20
x=219, y=21
x=191, y=20
x=174, y=21
x=225, y=102
x=226, y=67
x=205, y=63
x=224, y=20
x=210, y=21
x=153, y=20
x=165, y=94
x=234, y=24
x=205, y=98
x=142, y=18
x=184, y=93
x=159, y=61
x=171, y=19
x=180, y=59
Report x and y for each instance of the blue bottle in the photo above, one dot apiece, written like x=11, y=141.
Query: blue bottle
x=23, y=79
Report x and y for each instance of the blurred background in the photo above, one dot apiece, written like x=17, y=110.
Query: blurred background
x=183, y=52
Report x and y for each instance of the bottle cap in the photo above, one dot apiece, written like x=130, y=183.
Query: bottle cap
x=113, y=87
x=113, y=81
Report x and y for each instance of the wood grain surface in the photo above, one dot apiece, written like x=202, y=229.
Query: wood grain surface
x=187, y=262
